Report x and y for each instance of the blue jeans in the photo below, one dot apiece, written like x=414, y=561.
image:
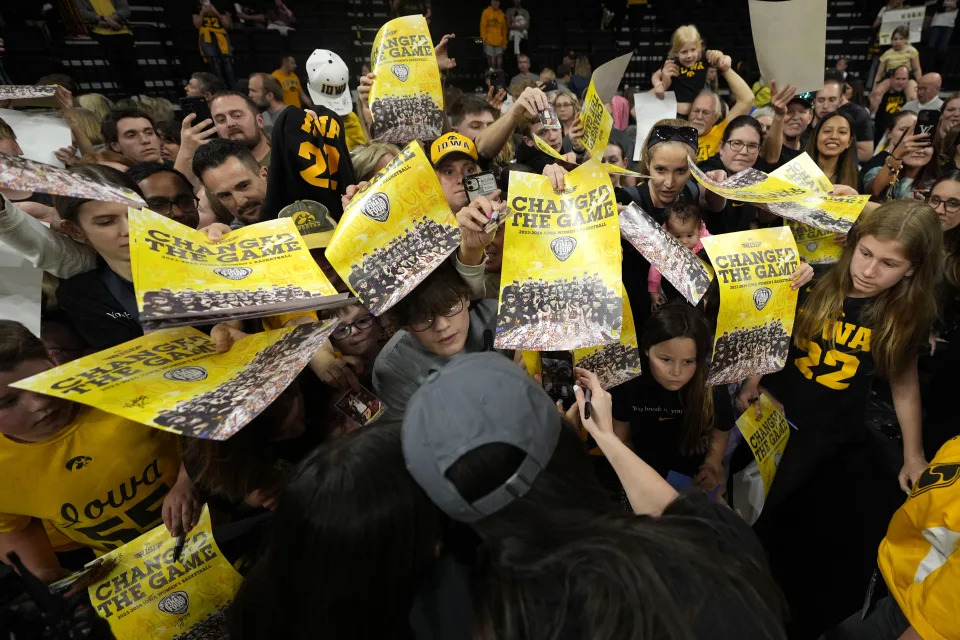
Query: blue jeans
x=220, y=63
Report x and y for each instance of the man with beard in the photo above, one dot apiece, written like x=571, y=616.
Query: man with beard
x=229, y=170
x=267, y=94
x=236, y=117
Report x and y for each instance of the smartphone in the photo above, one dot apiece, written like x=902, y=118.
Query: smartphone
x=197, y=105
x=480, y=184
x=556, y=369
x=549, y=85
x=498, y=79
x=927, y=121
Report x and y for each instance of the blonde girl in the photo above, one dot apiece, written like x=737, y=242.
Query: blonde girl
x=685, y=69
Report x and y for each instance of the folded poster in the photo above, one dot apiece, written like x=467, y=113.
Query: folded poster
x=20, y=174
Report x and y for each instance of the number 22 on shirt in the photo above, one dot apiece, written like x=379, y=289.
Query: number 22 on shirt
x=844, y=364
x=325, y=161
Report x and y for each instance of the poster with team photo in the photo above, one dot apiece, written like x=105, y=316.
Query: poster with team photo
x=786, y=199
x=151, y=593
x=757, y=305
x=174, y=379
x=406, y=98
x=680, y=266
x=561, y=286
x=18, y=173
x=615, y=363
x=19, y=92
x=182, y=278
x=394, y=232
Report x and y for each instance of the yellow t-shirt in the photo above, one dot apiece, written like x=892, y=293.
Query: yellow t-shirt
x=105, y=8
x=100, y=482
x=353, y=131
x=710, y=143
x=892, y=59
x=291, y=87
x=920, y=556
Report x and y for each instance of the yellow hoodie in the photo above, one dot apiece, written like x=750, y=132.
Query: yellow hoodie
x=493, y=27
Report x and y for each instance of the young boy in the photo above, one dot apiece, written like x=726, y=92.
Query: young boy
x=91, y=478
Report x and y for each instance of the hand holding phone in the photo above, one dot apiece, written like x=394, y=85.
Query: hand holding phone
x=196, y=105
x=556, y=368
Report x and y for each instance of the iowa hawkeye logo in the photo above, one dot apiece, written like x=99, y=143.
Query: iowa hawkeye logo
x=78, y=462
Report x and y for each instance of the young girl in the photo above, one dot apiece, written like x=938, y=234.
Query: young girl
x=685, y=70
x=900, y=54
x=866, y=315
x=670, y=417
x=684, y=223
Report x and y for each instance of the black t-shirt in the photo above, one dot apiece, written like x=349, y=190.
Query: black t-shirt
x=689, y=81
x=309, y=161
x=826, y=389
x=736, y=216
x=656, y=418
x=890, y=104
x=100, y=318
x=786, y=155
x=862, y=122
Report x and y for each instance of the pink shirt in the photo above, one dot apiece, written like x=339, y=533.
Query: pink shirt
x=653, y=279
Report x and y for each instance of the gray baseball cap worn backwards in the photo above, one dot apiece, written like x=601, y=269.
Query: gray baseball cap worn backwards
x=477, y=399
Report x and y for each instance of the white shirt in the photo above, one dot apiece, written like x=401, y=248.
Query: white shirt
x=916, y=106
x=944, y=19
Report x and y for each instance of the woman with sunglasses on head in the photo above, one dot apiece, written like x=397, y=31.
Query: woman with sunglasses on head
x=666, y=151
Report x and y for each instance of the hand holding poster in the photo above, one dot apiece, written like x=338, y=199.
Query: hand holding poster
x=767, y=437
x=616, y=363
x=757, y=303
x=20, y=174
x=679, y=265
x=149, y=593
x=174, y=379
x=561, y=254
x=816, y=246
x=407, y=97
x=828, y=213
x=182, y=278
x=394, y=232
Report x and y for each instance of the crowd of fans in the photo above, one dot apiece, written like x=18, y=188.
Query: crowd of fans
x=473, y=507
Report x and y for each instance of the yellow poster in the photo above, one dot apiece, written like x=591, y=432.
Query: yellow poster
x=566, y=164
x=174, y=380
x=561, y=253
x=394, y=232
x=616, y=363
x=150, y=593
x=406, y=98
x=816, y=246
x=680, y=266
x=182, y=278
x=767, y=437
x=795, y=201
x=597, y=121
x=757, y=305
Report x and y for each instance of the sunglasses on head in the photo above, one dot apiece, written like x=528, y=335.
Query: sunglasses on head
x=672, y=133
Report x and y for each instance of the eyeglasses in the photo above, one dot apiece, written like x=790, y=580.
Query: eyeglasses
x=738, y=145
x=422, y=325
x=344, y=330
x=672, y=133
x=164, y=205
x=950, y=206
x=706, y=113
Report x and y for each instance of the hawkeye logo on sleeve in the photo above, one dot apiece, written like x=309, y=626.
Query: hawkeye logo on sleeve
x=78, y=462
x=937, y=476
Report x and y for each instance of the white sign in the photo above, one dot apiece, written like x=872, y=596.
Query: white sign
x=649, y=110
x=39, y=135
x=912, y=18
x=790, y=41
